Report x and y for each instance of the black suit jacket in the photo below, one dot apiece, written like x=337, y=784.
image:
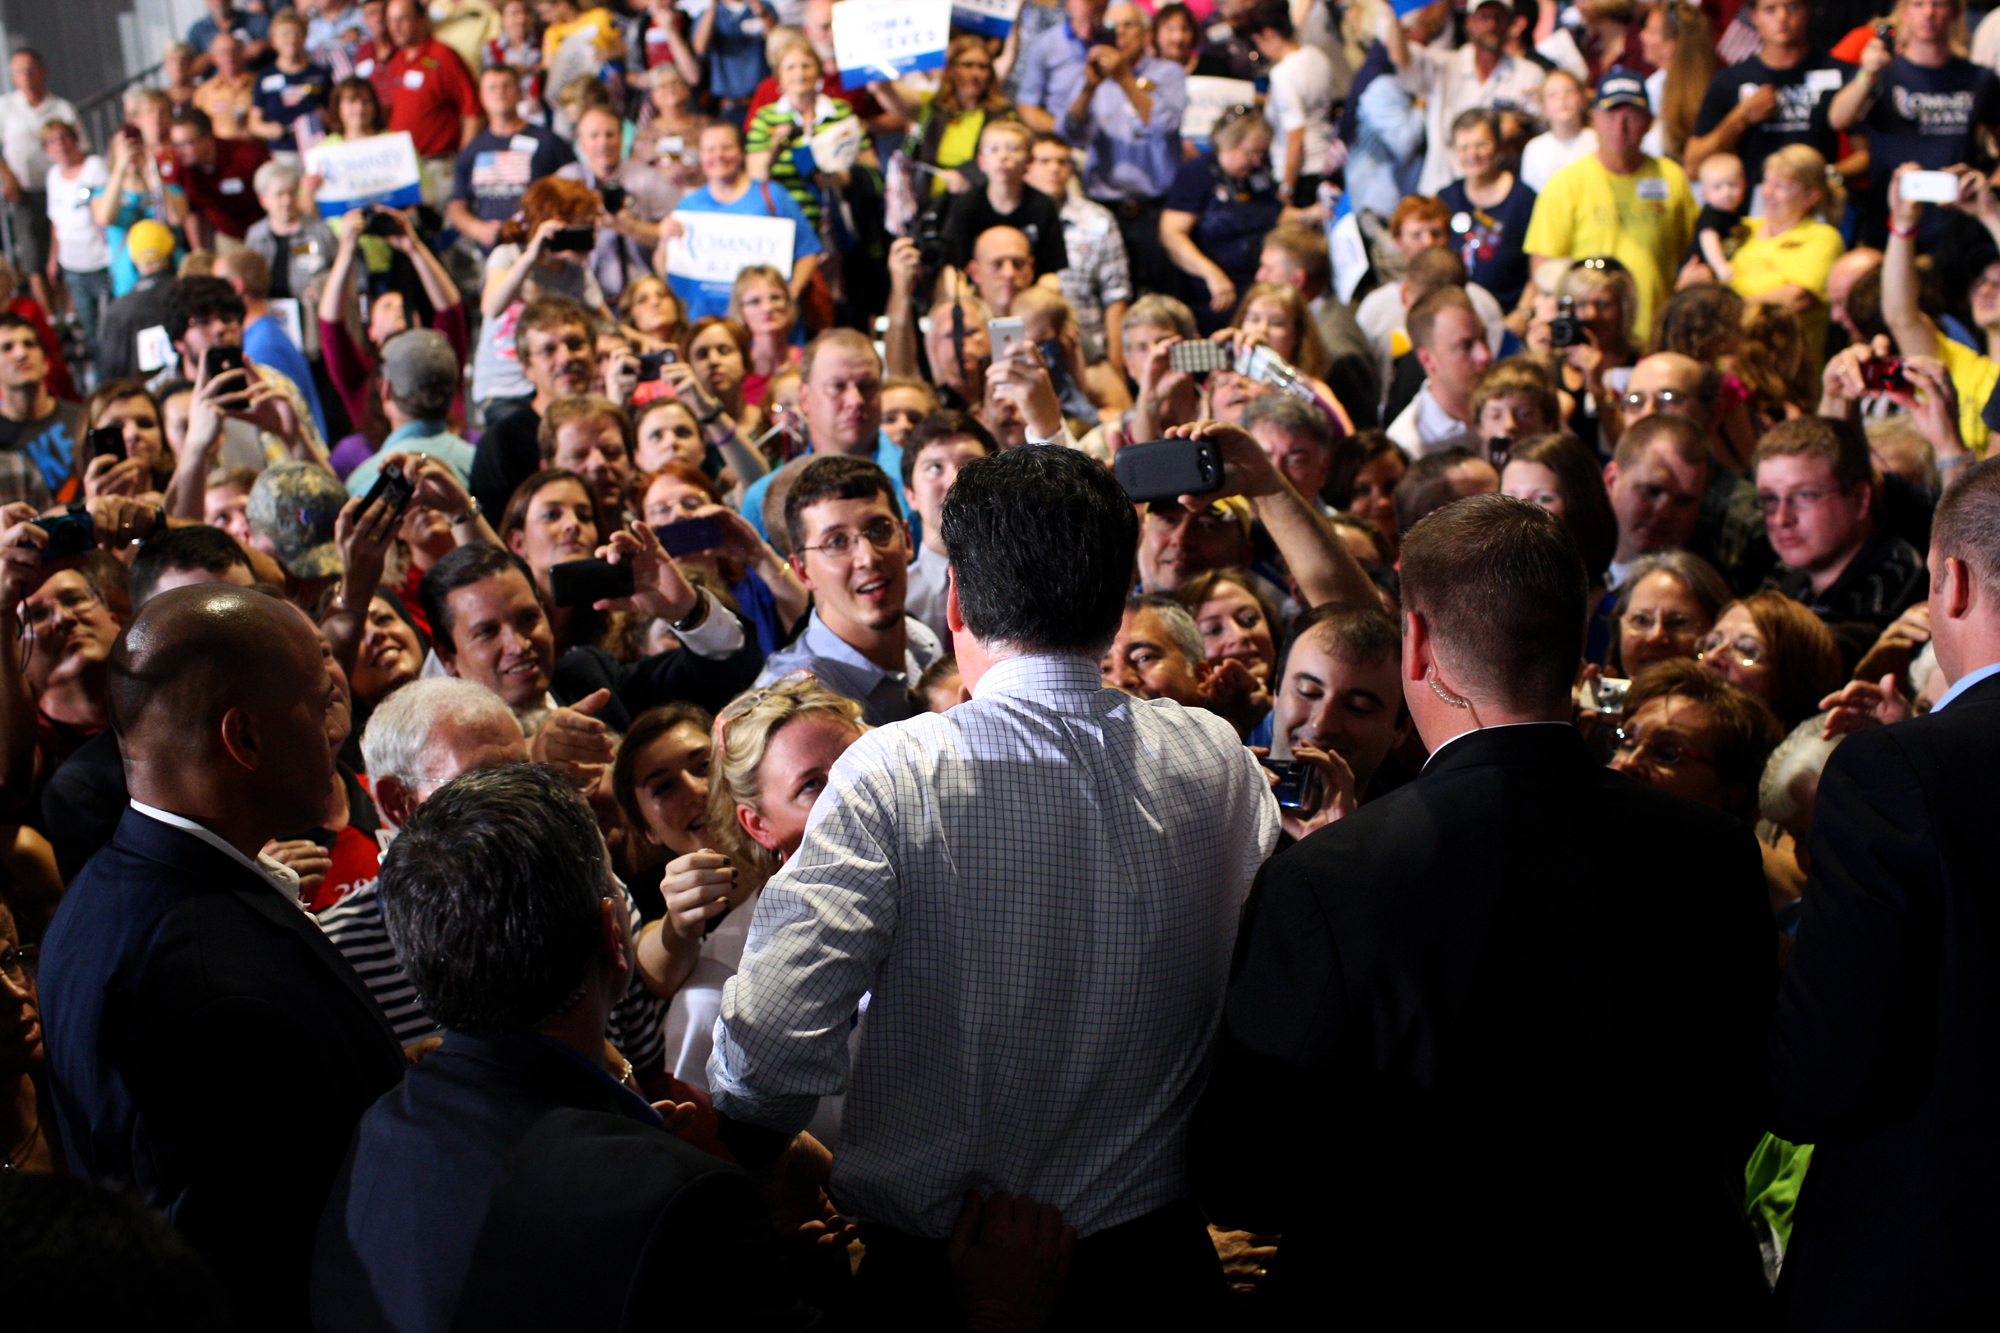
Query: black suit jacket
x=663, y=678
x=1491, y=1047
x=83, y=801
x=1885, y=1049
x=209, y=1045
x=506, y=1185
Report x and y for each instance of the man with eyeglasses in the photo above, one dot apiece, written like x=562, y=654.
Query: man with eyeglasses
x=851, y=549
x=1816, y=486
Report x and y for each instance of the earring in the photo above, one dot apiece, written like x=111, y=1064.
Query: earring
x=1441, y=692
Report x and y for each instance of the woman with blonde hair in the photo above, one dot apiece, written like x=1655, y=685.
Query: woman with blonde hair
x=773, y=748
x=1792, y=248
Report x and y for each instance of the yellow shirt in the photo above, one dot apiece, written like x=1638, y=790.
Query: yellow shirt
x=1645, y=221
x=1973, y=376
x=1803, y=254
x=596, y=24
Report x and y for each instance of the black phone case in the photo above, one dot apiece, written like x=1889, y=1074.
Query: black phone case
x=689, y=536
x=582, y=582
x=107, y=441
x=392, y=483
x=1168, y=469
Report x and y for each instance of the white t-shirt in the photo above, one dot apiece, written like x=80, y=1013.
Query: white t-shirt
x=1301, y=98
x=1545, y=155
x=80, y=243
x=21, y=135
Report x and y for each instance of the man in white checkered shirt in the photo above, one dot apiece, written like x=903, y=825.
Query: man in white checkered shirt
x=1039, y=891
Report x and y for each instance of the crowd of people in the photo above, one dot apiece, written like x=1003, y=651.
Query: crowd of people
x=1168, y=696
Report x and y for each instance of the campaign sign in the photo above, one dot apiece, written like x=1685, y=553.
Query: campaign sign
x=988, y=18
x=886, y=39
x=381, y=169
x=1208, y=98
x=718, y=246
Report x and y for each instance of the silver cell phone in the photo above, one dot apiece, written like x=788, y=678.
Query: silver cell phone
x=1930, y=187
x=1007, y=334
x=1200, y=356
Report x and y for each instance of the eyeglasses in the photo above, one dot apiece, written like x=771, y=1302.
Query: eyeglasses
x=1661, y=400
x=1664, y=751
x=744, y=703
x=1746, y=650
x=1802, y=501
x=882, y=534
x=1644, y=622
x=19, y=961
x=1228, y=118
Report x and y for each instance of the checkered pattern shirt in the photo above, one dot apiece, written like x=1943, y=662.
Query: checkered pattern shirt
x=1039, y=889
x=1098, y=275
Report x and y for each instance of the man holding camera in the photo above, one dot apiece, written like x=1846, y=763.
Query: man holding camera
x=635, y=196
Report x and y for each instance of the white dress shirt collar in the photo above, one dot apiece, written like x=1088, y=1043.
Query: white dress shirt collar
x=280, y=876
x=1040, y=673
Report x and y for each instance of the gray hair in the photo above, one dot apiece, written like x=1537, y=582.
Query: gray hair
x=1292, y=414
x=1154, y=311
x=1177, y=620
x=274, y=176
x=1791, y=776
x=397, y=740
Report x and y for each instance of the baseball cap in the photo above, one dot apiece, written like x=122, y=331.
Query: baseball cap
x=1621, y=87
x=295, y=505
x=148, y=242
x=421, y=371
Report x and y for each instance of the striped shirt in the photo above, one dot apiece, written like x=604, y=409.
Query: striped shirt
x=355, y=926
x=784, y=166
x=1040, y=891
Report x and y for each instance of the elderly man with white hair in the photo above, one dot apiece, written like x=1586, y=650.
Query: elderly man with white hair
x=419, y=738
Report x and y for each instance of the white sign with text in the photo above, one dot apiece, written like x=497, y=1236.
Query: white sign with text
x=715, y=247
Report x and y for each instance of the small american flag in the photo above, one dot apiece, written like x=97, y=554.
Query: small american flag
x=503, y=168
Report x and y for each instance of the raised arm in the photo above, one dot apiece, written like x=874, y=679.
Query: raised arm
x=503, y=287
x=1912, y=329
x=1851, y=103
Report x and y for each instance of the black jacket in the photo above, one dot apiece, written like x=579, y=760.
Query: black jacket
x=1885, y=1051
x=1492, y=1048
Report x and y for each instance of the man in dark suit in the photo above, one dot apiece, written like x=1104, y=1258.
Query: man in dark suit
x=1449, y=1005
x=510, y=1182
x=205, y=1041
x=1885, y=1050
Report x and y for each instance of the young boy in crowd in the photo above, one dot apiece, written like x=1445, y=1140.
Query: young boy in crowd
x=1007, y=201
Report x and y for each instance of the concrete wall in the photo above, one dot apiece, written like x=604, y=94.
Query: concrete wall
x=93, y=45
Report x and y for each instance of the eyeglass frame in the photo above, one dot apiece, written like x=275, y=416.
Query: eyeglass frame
x=1627, y=741
x=736, y=708
x=1770, y=506
x=27, y=962
x=890, y=529
x=1713, y=642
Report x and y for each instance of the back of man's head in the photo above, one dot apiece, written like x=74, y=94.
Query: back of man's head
x=1434, y=481
x=493, y=897
x=196, y=549
x=1501, y=586
x=1304, y=249
x=460, y=568
x=1966, y=526
x=1041, y=541
x=1424, y=314
x=1432, y=271
x=247, y=271
x=833, y=477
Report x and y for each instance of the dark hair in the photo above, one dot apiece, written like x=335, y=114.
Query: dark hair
x=1586, y=502
x=197, y=300
x=1685, y=437
x=195, y=116
x=1290, y=414
x=1425, y=310
x=1746, y=729
x=1503, y=589
x=1805, y=657
x=516, y=516
x=946, y=425
x=549, y=312
x=1704, y=321
x=352, y=87
x=1427, y=486
x=197, y=546
x=835, y=477
x=1041, y=542
x=1841, y=445
x=1966, y=525
x=1270, y=15
x=493, y=895
x=78, y=1255
x=1357, y=632
x=10, y=320
x=647, y=728
x=462, y=567
x=1352, y=454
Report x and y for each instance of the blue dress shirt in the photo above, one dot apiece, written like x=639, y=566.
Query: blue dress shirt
x=1132, y=159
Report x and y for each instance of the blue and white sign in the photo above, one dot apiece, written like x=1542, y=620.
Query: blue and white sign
x=381, y=169
x=988, y=18
x=875, y=40
x=715, y=247
x=1208, y=98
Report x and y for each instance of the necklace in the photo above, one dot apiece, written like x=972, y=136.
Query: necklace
x=12, y=1165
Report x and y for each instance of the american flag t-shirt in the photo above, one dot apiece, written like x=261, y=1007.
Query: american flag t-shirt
x=505, y=171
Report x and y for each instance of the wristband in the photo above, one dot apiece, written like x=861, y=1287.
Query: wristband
x=1904, y=232
x=1955, y=461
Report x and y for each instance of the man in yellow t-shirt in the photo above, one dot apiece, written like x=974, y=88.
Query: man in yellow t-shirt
x=1619, y=203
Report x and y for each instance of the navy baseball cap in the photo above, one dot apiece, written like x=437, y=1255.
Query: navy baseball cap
x=1621, y=87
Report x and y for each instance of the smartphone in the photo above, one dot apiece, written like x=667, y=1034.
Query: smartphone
x=689, y=535
x=1007, y=334
x=381, y=223
x=1882, y=374
x=1200, y=356
x=1930, y=187
x=1607, y=695
x=574, y=240
x=71, y=535
x=650, y=363
x=613, y=197
x=1168, y=469
x=217, y=360
x=392, y=485
x=583, y=582
x=107, y=441
x=1298, y=788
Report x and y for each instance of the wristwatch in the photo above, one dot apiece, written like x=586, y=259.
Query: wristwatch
x=470, y=512
x=695, y=618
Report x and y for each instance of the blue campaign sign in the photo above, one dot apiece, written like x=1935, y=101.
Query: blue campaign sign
x=988, y=18
x=876, y=40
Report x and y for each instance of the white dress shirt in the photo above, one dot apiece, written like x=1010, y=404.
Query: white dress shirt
x=1040, y=888
x=279, y=875
x=1449, y=84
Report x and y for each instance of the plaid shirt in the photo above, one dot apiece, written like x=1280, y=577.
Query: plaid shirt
x=1098, y=275
x=20, y=479
x=1885, y=578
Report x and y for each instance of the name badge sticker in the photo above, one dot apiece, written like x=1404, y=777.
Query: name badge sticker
x=1823, y=80
x=364, y=68
x=523, y=143
x=272, y=82
x=413, y=78
x=1653, y=189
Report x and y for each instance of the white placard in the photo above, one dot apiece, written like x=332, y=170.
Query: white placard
x=988, y=18
x=1208, y=98
x=155, y=348
x=285, y=309
x=381, y=169
x=836, y=145
x=885, y=39
x=718, y=246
